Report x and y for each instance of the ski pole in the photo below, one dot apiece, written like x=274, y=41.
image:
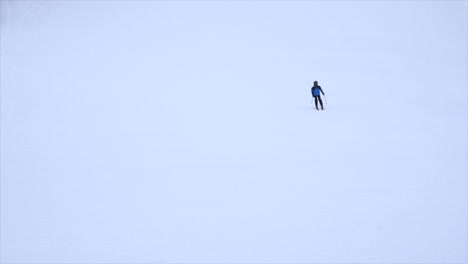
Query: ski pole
x=324, y=97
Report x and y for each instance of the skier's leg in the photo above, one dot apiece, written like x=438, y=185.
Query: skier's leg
x=320, y=100
x=316, y=105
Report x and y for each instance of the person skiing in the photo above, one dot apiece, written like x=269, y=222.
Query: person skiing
x=316, y=90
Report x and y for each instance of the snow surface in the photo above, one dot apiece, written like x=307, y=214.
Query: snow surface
x=182, y=132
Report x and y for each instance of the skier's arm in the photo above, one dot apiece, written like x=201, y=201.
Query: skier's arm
x=322, y=91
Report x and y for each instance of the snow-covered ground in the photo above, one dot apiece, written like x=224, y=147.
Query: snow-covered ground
x=182, y=132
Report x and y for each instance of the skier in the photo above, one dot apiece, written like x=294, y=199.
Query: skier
x=316, y=90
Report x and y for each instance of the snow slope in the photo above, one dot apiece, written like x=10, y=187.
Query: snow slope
x=182, y=132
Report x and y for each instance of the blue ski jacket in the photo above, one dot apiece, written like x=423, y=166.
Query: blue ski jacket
x=316, y=90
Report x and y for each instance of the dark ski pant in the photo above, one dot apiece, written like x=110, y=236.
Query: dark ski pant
x=317, y=98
